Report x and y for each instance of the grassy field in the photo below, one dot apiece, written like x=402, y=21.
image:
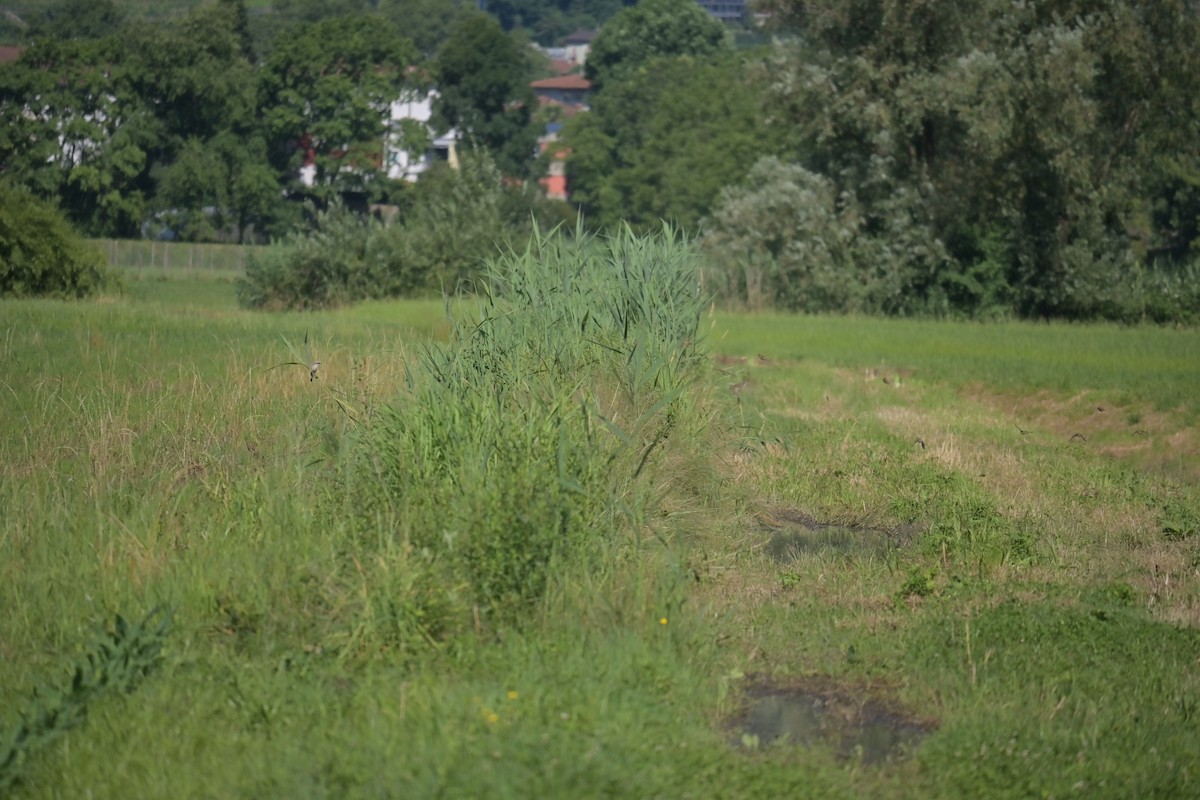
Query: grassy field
x=845, y=558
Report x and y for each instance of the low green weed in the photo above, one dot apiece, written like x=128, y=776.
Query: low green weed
x=118, y=661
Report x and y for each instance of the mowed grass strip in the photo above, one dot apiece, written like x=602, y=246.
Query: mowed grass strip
x=1153, y=365
x=1036, y=594
x=1131, y=392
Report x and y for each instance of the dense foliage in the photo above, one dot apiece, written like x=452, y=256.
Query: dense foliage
x=990, y=160
x=453, y=222
x=197, y=127
x=1035, y=159
x=648, y=30
x=482, y=79
x=673, y=118
x=662, y=142
x=324, y=90
x=424, y=21
x=39, y=252
x=143, y=122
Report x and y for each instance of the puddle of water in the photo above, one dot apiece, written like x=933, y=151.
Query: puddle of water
x=789, y=544
x=868, y=733
x=795, y=534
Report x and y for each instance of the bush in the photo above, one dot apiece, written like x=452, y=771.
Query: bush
x=328, y=266
x=504, y=460
x=1162, y=293
x=790, y=238
x=454, y=226
x=40, y=254
x=454, y=221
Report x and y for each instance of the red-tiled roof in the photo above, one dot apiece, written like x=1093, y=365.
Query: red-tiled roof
x=9, y=54
x=563, y=82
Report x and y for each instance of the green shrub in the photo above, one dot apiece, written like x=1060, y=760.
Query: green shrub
x=326, y=267
x=522, y=441
x=40, y=255
x=1157, y=293
x=454, y=226
x=785, y=240
x=792, y=238
x=455, y=220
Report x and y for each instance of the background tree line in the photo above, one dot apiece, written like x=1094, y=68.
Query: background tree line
x=543, y=21
x=199, y=124
x=1035, y=159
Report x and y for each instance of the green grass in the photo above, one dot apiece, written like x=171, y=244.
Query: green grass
x=1155, y=365
x=1038, y=608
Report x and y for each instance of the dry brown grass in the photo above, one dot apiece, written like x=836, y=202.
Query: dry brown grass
x=1149, y=439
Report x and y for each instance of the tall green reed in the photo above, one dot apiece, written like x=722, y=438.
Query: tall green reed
x=520, y=442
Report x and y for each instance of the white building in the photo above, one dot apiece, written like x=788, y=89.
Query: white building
x=410, y=144
x=578, y=44
x=408, y=119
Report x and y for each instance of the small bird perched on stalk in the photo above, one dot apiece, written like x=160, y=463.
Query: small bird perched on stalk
x=313, y=366
x=308, y=363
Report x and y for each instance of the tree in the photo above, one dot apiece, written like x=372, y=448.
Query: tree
x=238, y=18
x=94, y=122
x=324, y=95
x=548, y=21
x=195, y=74
x=219, y=188
x=288, y=17
x=428, y=23
x=309, y=11
x=73, y=128
x=1027, y=141
x=483, y=84
x=663, y=142
x=650, y=29
x=213, y=178
x=78, y=19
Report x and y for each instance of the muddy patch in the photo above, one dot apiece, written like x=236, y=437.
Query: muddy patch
x=794, y=534
x=814, y=714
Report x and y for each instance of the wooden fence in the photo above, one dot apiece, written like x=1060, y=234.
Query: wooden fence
x=146, y=253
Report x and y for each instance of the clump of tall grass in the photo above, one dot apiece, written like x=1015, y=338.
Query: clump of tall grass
x=525, y=439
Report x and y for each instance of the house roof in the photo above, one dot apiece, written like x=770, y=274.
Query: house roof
x=8, y=54
x=580, y=36
x=563, y=82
